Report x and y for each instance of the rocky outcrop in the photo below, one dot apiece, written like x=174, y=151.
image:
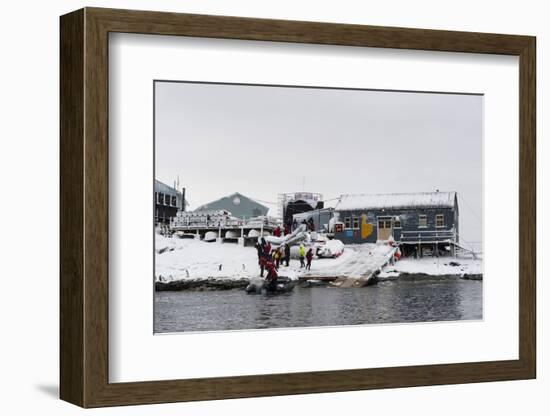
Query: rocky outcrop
x=201, y=284
x=228, y=284
x=473, y=276
x=425, y=276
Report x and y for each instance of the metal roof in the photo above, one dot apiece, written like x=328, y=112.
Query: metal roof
x=167, y=189
x=238, y=204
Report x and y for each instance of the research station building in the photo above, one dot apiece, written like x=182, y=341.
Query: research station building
x=168, y=201
x=413, y=220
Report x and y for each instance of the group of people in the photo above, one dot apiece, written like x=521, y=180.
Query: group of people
x=291, y=226
x=267, y=262
x=279, y=232
x=269, y=256
x=308, y=256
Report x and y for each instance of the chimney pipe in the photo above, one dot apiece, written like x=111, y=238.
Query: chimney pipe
x=183, y=199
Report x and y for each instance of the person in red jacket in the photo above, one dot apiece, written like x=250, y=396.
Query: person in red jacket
x=267, y=250
x=261, y=262
x=277, y=232
x=309, y=257
x=272, y=276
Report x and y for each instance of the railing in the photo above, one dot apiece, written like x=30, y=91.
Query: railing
x=425, y=236
x=183, y=223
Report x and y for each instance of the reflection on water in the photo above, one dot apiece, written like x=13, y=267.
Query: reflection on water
x=387, y=302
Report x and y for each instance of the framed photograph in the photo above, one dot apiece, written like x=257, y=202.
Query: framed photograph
x=254, y=207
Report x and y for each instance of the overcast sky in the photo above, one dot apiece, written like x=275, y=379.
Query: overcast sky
x=261, y=141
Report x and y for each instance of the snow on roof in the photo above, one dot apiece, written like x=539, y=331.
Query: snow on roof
x=408, y=200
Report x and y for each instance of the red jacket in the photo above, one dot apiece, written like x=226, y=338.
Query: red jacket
x=271, y=271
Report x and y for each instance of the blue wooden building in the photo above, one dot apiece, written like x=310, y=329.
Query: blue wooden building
x=413, y=220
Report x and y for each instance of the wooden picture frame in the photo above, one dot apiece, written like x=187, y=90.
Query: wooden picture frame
x=84, y=207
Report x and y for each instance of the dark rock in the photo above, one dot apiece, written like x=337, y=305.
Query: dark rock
x=201, y=284
x=474, y=276
x=424, y=276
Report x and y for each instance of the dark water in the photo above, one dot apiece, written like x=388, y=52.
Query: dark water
x=386, y=302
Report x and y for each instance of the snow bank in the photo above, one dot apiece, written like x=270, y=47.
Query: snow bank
x=434, y=266
x=178, y=259
x=332, y=248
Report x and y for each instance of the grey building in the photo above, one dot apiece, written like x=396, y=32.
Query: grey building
x=293, y=203
x=321, y=218
x=414, y=220
x=168, y=201
x=238, y=204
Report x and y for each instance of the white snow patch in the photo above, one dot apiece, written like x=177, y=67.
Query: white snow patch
x=332, y=248
x=435, y=266
x=190, y=258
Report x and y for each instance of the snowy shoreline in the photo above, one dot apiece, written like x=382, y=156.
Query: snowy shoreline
x=206, y=284
x=189, y=264
x=434, y=267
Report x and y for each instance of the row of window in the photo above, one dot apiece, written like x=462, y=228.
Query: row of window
x=353, y=222
x=165, y=199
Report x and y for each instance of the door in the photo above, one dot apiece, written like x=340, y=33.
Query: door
x=384, y=228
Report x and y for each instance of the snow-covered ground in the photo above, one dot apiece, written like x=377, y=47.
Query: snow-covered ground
x=180, y=259
x=435, y=266
x=177, y=259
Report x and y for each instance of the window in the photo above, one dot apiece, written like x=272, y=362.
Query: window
x=397, y=222
x=157, y=198
x=384, y=223
x=161, y=198
x=356, y=223
x=174, y=202
x=347, y=222
x=422, y=221
x=439, y=221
